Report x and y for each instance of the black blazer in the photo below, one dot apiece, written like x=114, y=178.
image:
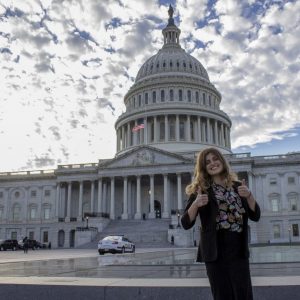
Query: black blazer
x=207, y=249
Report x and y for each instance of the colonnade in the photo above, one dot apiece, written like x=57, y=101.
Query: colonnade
x=176, y=128
x=102, y=196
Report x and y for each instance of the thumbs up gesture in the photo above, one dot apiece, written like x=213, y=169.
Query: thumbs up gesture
x=201, y=199
x=243, y=190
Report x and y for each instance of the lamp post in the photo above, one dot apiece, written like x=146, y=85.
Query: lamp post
x=87, y=222
x=178, y=216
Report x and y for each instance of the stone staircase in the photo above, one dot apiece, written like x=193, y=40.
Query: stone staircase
x=149, y=233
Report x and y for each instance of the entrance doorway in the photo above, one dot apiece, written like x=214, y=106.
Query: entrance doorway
x=157, y=209
x=61, y=238
x=72, y=238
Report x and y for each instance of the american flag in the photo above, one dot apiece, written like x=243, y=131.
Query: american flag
x=138, y=127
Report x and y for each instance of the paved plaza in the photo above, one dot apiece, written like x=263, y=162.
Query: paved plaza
x=148, y=272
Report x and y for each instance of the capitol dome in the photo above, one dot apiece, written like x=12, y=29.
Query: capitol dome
x=173, y=105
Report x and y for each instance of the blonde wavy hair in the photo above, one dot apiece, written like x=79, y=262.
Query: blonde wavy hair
x=202, y=179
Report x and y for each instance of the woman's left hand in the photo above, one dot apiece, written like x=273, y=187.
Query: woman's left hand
x=243, y=190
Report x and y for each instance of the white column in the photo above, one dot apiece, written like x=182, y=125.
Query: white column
x=166, y=128
x=123, y=138
x=166, y=213
x=104, y=201
x=199, y=129
x=79, y=218
x=208, y=131
x=57, y=200
x=112, y=198
x=145, y=131
x=155, y=129
x=152, y=212
x=138, y=213
x=222, y=140
x=92, y=195
x=125, y=198
x=216, y=132
x=177, y=128
x=128, y=135
x=188, y=128
x=179, y=191
x=99, y=196
x=69, y=201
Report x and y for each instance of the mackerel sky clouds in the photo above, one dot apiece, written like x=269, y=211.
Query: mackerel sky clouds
x=65, y=67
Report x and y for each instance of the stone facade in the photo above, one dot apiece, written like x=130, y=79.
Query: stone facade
x=172, y=112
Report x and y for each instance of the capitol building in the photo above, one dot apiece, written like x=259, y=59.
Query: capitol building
x=172, y=112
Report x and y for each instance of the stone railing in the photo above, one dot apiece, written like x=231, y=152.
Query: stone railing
x=77, y=166
x=28, y=173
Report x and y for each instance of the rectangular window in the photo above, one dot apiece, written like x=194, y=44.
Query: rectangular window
x=291, y=180
x=273, y=181
x=276, y=231
x=33, y=193
x=172, y=130
x=45, y=237
x=162, y=95
x=295, y=229
x=154, y=97
x=275, y=205
x=1, y=213
x=31, y=235
x=181, y=130
x=140, y=100
x=162, y=130
x=180, y=95
x=1, y=194
x=47, y=213
x=146, y=98
x=32, y=213
x=204, y=98
x=293, y=201
x=47, y=193
x=14, y=235
x=171, y=95
x=197, y=97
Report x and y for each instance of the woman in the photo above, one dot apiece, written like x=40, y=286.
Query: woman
x=224, y=206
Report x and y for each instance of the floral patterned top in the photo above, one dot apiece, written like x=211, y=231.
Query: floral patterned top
x=231, y=210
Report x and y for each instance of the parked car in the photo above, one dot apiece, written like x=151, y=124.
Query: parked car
x=9, y=244
x=115, y=244
x=32, y=244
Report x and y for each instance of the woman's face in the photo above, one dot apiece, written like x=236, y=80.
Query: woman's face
x=214, y=166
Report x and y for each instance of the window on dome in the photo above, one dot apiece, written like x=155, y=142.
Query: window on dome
x=162, y=96
x=184, y=64
x=157, y=66
x=140, y=100
x=191, y=67
x=180, y=95
x=178, y=65
x=189, y=95
x=171, y=95
x=146, y=98
x=154, y=97
x=164, y=64
x=152, y=132
x=196, y=68
x=151, y=67
x=197, y=97
x=171, y=64
x=209, y=100
x=204, y=99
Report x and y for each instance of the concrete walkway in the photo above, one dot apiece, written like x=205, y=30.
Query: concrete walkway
x=148, y=274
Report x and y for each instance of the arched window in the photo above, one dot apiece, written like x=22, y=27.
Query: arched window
x=162, y=96
x=189, y=96
x=154, y=97
x=180, y=95
x=197, y=97
x=171, y=95
x=16, y=210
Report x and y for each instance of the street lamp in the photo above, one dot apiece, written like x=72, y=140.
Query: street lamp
x=178, y=216
x=87, y=222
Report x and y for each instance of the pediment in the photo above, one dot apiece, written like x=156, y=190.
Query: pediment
x=145, y=156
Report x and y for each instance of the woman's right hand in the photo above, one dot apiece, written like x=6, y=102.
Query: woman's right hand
x=201, y=199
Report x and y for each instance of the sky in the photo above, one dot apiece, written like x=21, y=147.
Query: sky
x=65, y=67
